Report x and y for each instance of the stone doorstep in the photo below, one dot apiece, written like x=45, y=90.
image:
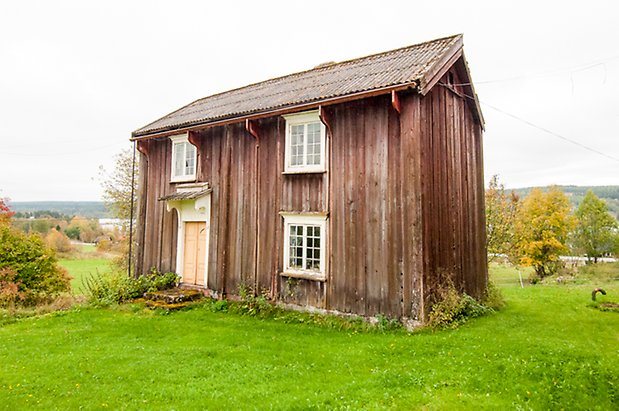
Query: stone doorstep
x=173, y=296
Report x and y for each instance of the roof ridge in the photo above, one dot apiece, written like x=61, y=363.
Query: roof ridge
x=324, y=68
x=401, y=66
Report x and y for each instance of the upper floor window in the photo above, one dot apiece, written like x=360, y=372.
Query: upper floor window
x=183, y=159
x=305, y=143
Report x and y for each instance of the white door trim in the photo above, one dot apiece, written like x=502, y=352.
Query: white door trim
x=198, y=210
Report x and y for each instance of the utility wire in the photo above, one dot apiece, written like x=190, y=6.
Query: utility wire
x=571, y=70
x=527, y=122
x=47, y=142
x=60, y=154
x=576, y=143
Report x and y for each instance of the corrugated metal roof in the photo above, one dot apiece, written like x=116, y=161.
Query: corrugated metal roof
x=404, y=66
x=186, y=195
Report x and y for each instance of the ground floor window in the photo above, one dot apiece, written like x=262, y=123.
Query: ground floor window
x=304, y=244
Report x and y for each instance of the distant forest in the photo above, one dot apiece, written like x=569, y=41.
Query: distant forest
x=37, y=209
x=96, y=209
x=576, y=193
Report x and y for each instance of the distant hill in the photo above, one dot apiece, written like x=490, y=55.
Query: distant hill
x=88, y=209
x=96, y=209
x=608, y=193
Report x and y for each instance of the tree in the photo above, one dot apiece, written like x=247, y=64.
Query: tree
x=29, y=272
x=543, y=224
x=5, y=212
x=117, y=185
x=501, y=211
x=118, y=189
x=41, y=226
x=83, y=229
x=58, y=241
x=595, y=228
x=73, y=232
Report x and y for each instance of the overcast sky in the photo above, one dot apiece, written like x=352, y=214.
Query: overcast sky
x=77, y=77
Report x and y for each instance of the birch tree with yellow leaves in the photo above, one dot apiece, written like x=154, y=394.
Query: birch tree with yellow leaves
x=543, y=225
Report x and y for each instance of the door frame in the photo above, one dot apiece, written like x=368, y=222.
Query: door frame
x=194, y=210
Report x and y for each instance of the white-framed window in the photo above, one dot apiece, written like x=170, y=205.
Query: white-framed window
x=305, y=245
x=305, y=143
x=184, y=159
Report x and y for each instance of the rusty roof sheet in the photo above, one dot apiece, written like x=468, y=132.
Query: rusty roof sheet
x=404, y=66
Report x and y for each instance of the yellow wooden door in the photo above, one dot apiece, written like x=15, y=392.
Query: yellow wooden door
x=195, y=253
x=201, y=254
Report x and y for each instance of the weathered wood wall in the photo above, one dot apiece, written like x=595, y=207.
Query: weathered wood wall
x=369, y=186
x=453, y=217
x=156, y=228
x=404, y=193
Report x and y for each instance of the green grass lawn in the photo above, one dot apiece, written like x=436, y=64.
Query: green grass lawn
x=548, y=349
x=85, y=262
x=87, y=248
x=83, y=268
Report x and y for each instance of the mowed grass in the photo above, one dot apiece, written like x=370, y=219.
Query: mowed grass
x=548, y=349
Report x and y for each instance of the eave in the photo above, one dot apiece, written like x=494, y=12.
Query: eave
x=413, y=86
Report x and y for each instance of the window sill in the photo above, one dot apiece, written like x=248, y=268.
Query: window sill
x=305, y=276
x=292, y=172
x=177, y=180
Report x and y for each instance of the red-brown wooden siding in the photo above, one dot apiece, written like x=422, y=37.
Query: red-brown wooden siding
x=404, y=193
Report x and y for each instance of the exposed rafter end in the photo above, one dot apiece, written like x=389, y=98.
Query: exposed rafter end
x=142, y=147
x=395, y=101
x=252, y=128
x=192, y=137
x=324, y=117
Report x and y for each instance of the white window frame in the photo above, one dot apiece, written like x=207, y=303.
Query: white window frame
x=305, y=220
x=176, y=142
x=304, y=118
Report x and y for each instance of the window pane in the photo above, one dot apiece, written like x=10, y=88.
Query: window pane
x=313, y=143
x=179, y=154
x=312, y=251
x=190, y=159
x=296, y=144
x=296, y=247
x=313, y=132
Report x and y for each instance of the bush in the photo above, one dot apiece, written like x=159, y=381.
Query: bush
x=73, y=232
x=252, y=304
x=29, y=270
x=383, y=323
x=58, y=241
x=493, y=298
x=9, y=288
x=454, y=308
x=118, y=287
x=104, y=244
x=120, y=261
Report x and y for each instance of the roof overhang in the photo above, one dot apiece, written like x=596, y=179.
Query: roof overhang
x=413, y=86
x=186, y=195
x=452, y=57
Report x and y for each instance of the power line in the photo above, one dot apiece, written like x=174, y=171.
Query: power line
x=60, y=154
x=527, y=122
x=576, y=143
x=39, y=143
x=571, y=70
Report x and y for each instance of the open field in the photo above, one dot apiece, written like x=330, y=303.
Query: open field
x=83, y=268
x=84, y=263
x=548, y=349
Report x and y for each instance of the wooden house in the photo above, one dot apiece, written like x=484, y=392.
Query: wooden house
x=354, y=186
